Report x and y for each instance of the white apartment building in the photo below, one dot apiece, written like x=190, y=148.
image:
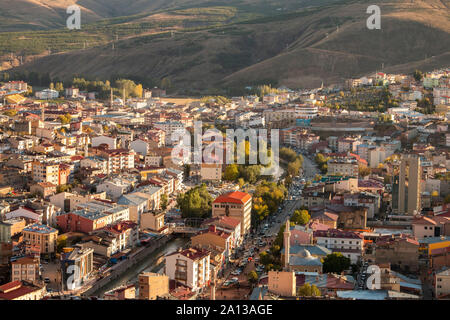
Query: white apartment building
x=115, y=188
x=140, y=146
x=190, y=267
x=344, y=167
x=171, y=128
x=350, y=244
x=110, y=141
x=45, y=172
x=47, y=94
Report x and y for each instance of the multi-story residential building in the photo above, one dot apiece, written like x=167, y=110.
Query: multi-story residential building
x=428, y=227
x=91, y=216
x=98, y=163
x=81, y=259
x=350, y=244
x=406, y=186
x=46, y=172
x=371, y=201
x=153, y=160
x=25, y=268
x=347, y=144
x=119, y=159
x=111, y=142
x=140, y=146
x=237, y=205
x=152, y=194
x=136, y=204
x=114, y=188
x=153, y=221
x=213, y=239
x=227, y=224
x=171, y=128
x=189, y=267
x=16, y=86
x=11, y=227
x=211, y=172
x=401, y=251
x=442, y=283
x=282, y=283
x=113, y=238
x=343, y=166
x=153, y=285
x=42, y=235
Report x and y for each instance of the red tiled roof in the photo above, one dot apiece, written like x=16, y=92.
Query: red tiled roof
x=229, y=221
x=234, y=197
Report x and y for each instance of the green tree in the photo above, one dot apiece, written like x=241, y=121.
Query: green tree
x=65, y=119
x=305, y=290
x=164, y=201
x=61, y=242
x=335, y=263
x=418, y=75
x=166, y=83
x=315, y=292
x=231, y=172
x=301, y=217
x=252, y=278
x=195, y=203
x=447, y=198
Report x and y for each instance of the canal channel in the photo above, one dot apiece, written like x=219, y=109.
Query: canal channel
x=153, y=263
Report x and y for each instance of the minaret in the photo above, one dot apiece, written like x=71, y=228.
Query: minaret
x=286, y=243
x=42, y=113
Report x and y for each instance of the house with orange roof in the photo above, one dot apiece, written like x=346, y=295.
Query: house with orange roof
x=21, y=290
x=212, y=238
x=234, y=204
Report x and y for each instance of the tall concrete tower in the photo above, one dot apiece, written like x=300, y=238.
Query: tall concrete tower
x=286, y=243
x=408, y=188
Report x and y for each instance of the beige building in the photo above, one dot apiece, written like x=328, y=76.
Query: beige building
x=122, y=293
x=191, y=267
x=152, y=221
x=45, y=172
x=406, y=189
x=282, y=283
x=214, y=239
x=442, y=283
x=344, y=167
x=237, y=205
x=152, y=285
x=26, y=268
x=11, y=227
x=211, y=172
x=42, y=235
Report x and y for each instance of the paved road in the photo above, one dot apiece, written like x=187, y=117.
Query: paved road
x=309, y=168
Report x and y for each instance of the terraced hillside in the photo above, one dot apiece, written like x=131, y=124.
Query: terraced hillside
x=237, y=43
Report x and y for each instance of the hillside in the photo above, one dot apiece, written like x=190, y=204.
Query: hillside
x=244, y=42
